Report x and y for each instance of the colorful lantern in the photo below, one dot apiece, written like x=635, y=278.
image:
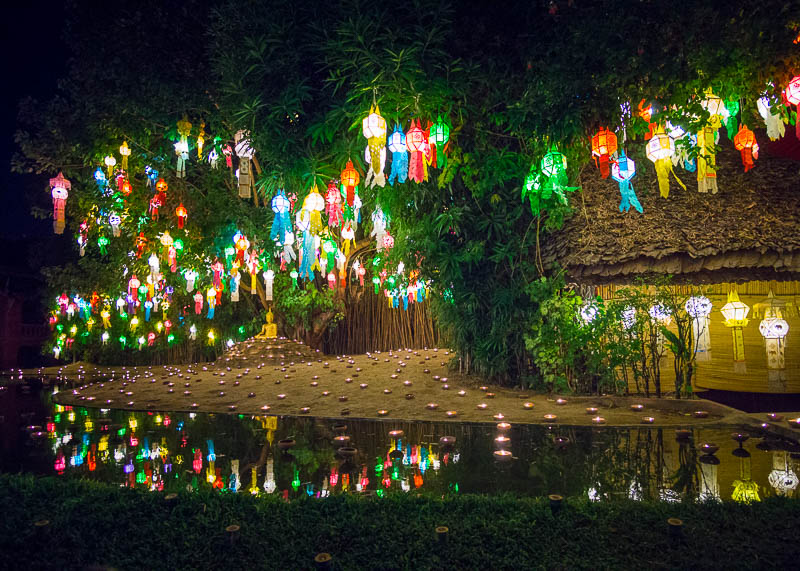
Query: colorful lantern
x=182, y=146
x=731, y=111
x=60, y=192
x=774, y=124
x=282, y=223
x=699, y=308
x=660, y=149
x=735, y=314
x=379, y=224
x=314, y=204
x=551, y=181
x=792, y=96
x=350, y=179
x=125, y=152
x=110, y=163
x=333, y=205
x=348, y=236
x=373, y=127
x=623, y=170
x=745, y=142
x=211, y=297
x=706, y=143
x=245, y=153
x=269, y=277
x=114, y=221
x=604, y=144
x=415, y=143
x=397, y=145
x=181, y=213
x=438, y=139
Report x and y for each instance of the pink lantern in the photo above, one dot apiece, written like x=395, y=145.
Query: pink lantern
x=792, y=96
x=61, y=187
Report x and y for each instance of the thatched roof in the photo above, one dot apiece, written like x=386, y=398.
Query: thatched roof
x=750, y=229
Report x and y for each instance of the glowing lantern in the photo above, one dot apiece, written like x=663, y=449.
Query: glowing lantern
x=604, y=144
x=782, y=477
x=438, y=139
x=282, y=223
x=550, y=182
x=731, y=111
x=660, y=149
x=125, y=152
x=333, y=205
x=350, y=179
x=622, y=171
x=100, y=179
x=397, y=146
x=773, y=329
x=269, y=277
x=211, y=297
x=315, y=204
x=379, y=224
x=348, y=236
x=706, y=141
x=217, y=268
x=182, y=146
x=126, y=188
x=792, y=96
x=242, y=244
x=745, y=141
x=151, y=339
x=735, y=314
x=373, y=127
x=331, y=280
x=245, y=152
x=774, y=124
x=699, y=308
x=181, y=213
x=388, y=241
x=415, y=143
x=110, y=163
x=60, y=192
x=114, y=220
x=293, y=274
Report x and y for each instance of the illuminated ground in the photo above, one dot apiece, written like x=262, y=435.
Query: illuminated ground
x=287, y=377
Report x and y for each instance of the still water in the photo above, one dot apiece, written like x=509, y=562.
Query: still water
x=305, y=456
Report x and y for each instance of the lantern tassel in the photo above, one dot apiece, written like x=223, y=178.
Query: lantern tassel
x=628, y=197
x=399, y=168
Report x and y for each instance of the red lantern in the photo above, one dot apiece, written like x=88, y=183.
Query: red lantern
x=350, y=179
x=792, y=96
x=126, y=188
x=181, y=213
x=745, y=141
x=604, y=144
x=60, y=193
x=415, y=143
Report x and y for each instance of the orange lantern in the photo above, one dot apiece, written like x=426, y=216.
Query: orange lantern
x=126, y=188
x=161, y=185
x=745, y=141
x=181, y=213
x=415, y=143
x=350, y=179
x=604, y=144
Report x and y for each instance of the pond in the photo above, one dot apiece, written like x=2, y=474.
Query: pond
x=295, y=456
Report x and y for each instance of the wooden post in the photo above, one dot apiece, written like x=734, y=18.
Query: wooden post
x=233, y=533
x=441, y=534
x=556, y=502
x=675, y=527
x=323, y=561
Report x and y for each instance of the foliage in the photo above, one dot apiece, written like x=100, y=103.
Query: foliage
x=102, y=524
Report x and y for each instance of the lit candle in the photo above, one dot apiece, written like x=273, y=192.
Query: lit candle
x=591, y=410
x=432, y=406
x=637, y=407
x=503, y=426
x=527, y=405
x=383, y=412
x=598, y=420
x=482, y=406
x=550, y=417
x=451, y=413
x=561, y=402
x=648, y=420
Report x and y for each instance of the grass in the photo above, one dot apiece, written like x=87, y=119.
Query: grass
x=101, y=524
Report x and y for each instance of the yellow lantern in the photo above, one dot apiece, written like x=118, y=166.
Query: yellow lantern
x=125, y=152
x=735, y=314
x=660, y=149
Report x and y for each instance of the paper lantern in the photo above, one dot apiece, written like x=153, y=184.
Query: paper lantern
x=623, y=170
x=660, y=149
x=792, y=96
x=388, y=241
x=745, y=142
x=60, y=192
x=282, y=223
x=110, y=163
x=397, y=146
x=125, y=152
x=269, y=278
x=438, y=139
x=774, y=124
x=211, y=298
x=100, y=179
x=604, y=144
x=245, y=153
x=416, y=145
x=732, y=110
x=314, y=204
x=735, y=311
x=181, y=213
x=699, y=308
x=333, y=205
x=773, y=328
x=379, y=224
x=350, y=179
x=706, y=143
x=374, y=129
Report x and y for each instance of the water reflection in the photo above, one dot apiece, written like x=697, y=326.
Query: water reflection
x=304, y=456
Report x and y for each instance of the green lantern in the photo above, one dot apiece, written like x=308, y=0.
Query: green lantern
x=438, y=138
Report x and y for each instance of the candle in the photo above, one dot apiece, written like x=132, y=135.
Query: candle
x=527, y=405
x=451, y=413
x=383, y=412
x=598, y=420
x=637, y=407
x=503, y=426
x=550, y=417
x=648, y=420
x=482, y=406
x=591, y=410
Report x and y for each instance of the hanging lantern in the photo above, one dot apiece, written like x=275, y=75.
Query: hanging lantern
x=60, y=192
x=374, y=129
x=315, y=204
x=181, y=213
x=623, y=170
x=438, y=139
x=282, y=223
x=348, y=236
x=774, y=124
x=269, y=278
x=333, y=205
x=182, y=146
x=201, y=140
x=245, y=152
x=110, y=162
x=100, y=179
x=350, y=179
x=125, y=187
x=388, y=241
x=379, y=224
x=745, y=142
x=660, y=149
x=706, y=143
x=415, y=143
x=125, y=152
x=735, y=314
x=731, y=111
x=604, y=144
x=792, y=96
x=114, y=220
x=699, y=308
x=397, y=146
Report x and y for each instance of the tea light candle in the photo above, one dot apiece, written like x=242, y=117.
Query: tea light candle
x=794, y=421
x=637, y=407
x=363, y=385
x=700, y=414
x=409, y=396
x=348, y=380
x=502, y=455
x=550, y=417
x=407, y=383
x=482, y=406
x=281, y=396
x=462, y=393
x=343, y=398
x=501, y=440
x=451, y=413
x=503, y=426
x=265, y=407
x=527, y=405
x=591, y=410
x=435, y=377
x=648, y=420
x=489, y=395
x=432, y=406
x=484, y=389
x=326, y=393
x=314, y=383
x=383, y=412
x=775, y=417
x=445, y=387
x=387, y=391
x=396, y=434
x=499, y=416
x=598, y=420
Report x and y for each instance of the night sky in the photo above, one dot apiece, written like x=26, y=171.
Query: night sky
x=34, y=57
